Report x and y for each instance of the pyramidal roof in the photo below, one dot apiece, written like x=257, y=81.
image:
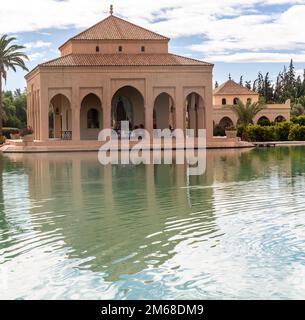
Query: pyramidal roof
x=114, y=28
x=231, y=87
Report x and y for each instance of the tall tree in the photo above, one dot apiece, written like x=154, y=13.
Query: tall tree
x=10, y=58
x=241, y=81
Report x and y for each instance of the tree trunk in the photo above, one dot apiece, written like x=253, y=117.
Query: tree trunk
x=1, y=106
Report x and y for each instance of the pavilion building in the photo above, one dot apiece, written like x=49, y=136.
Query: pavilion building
x=230, y=92
x=117, y=71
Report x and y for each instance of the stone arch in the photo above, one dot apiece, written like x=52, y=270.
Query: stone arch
x=263, y=120
x=164, y=112
x=226, y=122
x=91, y=117
x=127, y=104
x=195, y=114
x=280, y=118
x=60, y=117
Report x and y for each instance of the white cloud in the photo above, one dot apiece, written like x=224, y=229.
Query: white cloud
x=257, y=57
x=37, y=44
x=36, y=56
x=226, y=26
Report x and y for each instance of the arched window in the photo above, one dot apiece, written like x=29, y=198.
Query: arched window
x=142, y=49
x=97, y=49
x=224, y=101
x=93, y=119
x=249, y=100
x=120, y=48
x=235, y=101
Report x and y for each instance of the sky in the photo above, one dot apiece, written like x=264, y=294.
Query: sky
x=241, y=37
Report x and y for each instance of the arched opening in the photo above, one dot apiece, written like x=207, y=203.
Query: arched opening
x=164, y=112
x=127, y=105
x=225, y=123
x=249, y=100
x=224, y=101
x=263, y=121
x=235, y=101
x=194, y=112
x=60, y=118
x=279, y=119
x=93, y=121
x=91, y=117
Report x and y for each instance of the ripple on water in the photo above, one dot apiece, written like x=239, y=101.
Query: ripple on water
x=71, y=233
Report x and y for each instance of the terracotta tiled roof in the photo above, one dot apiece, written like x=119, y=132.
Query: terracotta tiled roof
x=114, y=28
x=231, y=87
x=144, y=59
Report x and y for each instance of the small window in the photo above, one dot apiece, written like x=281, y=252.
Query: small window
x=235, y=101
x=97, y=49
x=249, y=100
x=120, y=48
x=224, y=101
x=142, y=49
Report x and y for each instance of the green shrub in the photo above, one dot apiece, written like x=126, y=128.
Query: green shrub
x=7, y=132
x=299, y=120
x=264, y=122
x=297, y=133
x=282, y=130
x=240, y=131
x=261, y=133
x=219, y=131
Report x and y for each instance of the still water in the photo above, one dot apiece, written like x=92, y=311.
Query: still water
x=71, y=228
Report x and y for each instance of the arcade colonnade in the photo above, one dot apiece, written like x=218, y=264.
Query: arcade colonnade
x=80, y=113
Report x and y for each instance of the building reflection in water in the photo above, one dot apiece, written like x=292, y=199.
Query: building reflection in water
x=123, y=219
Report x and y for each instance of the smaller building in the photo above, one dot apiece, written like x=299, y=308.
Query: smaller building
x=230, y=92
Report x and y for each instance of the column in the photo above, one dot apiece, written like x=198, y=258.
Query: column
x=208, y=102
x=149, y=119
x=75, y=106
x=76, y=123
x=43, y=115
x=180, y=110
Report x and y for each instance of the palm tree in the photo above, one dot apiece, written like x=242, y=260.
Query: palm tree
x=10, y=58
x=246, y=113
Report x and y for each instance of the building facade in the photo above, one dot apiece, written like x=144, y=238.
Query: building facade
x=230, y=92
x=117, y=71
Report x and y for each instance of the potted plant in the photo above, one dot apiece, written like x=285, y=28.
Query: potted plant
x=231, y=132
x=15, y=135
x=27, y=134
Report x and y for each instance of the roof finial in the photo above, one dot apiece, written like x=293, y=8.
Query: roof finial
x=111, y=9
x=230, y=76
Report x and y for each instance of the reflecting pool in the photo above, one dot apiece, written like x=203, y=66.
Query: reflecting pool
x=71, y=228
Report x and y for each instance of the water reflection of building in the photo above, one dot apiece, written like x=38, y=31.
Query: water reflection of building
x=132, y=217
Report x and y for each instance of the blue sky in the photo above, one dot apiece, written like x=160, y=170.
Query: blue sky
x=241, y=37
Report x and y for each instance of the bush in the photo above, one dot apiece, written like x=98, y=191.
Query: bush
x=282, y=130
x=261, y=133
x=264, y=122
x=299, y=120
x=297, y=133
x=219, y=131
x=7, y=132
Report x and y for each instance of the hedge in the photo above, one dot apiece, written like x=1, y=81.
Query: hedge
x=297, y=133
x=283, y=131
